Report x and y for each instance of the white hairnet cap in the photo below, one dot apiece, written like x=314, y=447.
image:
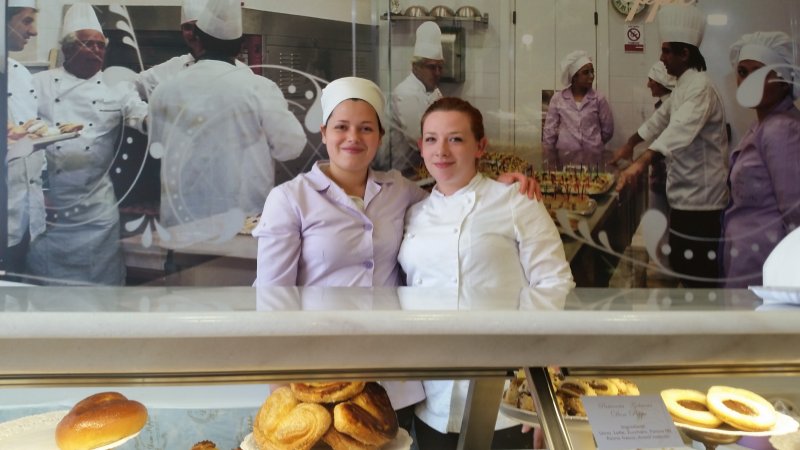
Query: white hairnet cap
x=681, y=23
x=80, y=16
x=571, y=64
x=22, y=3
x=768, y=48
x=222, y=19
x=429, y=41
x=191, y=10
x=342, y=89
x=658, y=73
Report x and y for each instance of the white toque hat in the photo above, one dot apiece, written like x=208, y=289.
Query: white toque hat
x=22, y=4
x=658, y=73
x=80, y=16
x=222, y=19
x=345, y=88
x=429, y=41
x=768, y=48
x=681, y=23
x=191, y=10
x=571, y=64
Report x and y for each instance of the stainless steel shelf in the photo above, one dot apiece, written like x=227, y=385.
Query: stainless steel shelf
x=484, y=19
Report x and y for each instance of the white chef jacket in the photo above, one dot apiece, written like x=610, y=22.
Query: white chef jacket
x=689, y=130
x=147, y=81
x=82, y=241
x=485, y=235
x=407, y=104
x=25, y=197
x=219, y=128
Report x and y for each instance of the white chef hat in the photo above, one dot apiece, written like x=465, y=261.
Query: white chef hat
x=345, y=88
x=658, y=73
x=222, y=19
x=22, y=3
x=571, y=64
x=681, y=23
x=80, y=16
x=767, y=47
x=191, y=10
x=429, y=41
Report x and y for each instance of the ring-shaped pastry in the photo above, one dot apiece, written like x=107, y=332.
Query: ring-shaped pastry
x=741, y=409
x=690, y=407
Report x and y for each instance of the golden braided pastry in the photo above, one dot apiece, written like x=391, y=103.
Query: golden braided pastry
x=98, y=420
x=283, y=423
x=741, y=408
x=368, y=417
x=326, y=392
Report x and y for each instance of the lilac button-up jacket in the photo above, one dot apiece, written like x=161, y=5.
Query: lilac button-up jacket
x=312, y=234
x=576, y=133
x=765, y=194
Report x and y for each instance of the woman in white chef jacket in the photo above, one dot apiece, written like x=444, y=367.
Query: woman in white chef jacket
x=82, y=239
x=472, y=232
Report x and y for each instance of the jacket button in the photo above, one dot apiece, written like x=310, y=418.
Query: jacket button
x=368, y=264
x=368, y=226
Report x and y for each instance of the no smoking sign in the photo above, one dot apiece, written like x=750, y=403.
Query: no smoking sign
x=634, y=39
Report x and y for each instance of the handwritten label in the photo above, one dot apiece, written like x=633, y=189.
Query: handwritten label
x=629, y=422
x=635, y=4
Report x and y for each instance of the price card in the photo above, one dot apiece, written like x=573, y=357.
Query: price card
x=630, y=422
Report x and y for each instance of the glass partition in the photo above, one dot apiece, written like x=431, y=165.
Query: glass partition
x=99, y=195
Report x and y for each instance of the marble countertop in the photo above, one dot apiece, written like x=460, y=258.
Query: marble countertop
x=209, y=330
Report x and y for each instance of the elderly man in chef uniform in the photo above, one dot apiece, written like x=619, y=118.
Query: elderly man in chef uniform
x=81, y=243
x=689, y=130
x=410, y=99
x=217, y=128
x=147, y=81
x=26, y=216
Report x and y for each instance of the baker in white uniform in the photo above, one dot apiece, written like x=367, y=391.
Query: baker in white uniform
x=689, y=130
x=217, y=128
x=147, y=81
x=26, y=214
x=410, y=99
x=82, y=238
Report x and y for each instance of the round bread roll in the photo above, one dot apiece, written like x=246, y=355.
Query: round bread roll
x=368, y=417
x=741, y=408
x=577, y=387
x=603, y=387
x=690, y=407
x=326, y=392
x=99, y=420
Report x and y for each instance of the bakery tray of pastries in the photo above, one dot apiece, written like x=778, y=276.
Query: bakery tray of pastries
x=334, y=415
x=578, y=180
x=725, y=411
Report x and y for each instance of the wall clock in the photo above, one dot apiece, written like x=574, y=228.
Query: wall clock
x=624, y=6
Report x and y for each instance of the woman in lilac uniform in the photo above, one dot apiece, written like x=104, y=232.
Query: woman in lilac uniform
x=579, y=121
x=765, y=167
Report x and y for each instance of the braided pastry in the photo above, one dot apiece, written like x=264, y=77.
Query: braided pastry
x=283, y=423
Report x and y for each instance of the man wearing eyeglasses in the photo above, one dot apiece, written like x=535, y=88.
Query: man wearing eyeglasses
x=82, y=238
x=147, y=81
x=410, y=99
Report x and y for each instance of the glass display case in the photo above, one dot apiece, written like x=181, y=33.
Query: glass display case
x=201, y=359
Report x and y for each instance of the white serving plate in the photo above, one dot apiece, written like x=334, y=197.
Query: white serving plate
x=784, y=425
x=401, y=442
x=777, y=295
x=38, y=432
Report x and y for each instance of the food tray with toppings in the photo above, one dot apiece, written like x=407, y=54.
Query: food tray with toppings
x=575, y=182
x=582, y=206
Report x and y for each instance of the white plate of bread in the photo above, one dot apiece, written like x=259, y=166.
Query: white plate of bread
x=38, y=432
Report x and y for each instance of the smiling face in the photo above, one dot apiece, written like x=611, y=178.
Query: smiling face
x=775, y=90
x=352, y=136
x=20, y=28
x=676, y=62
x=84, y=57
x=450, y=149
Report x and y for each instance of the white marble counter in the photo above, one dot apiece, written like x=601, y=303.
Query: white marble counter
x=212, y=330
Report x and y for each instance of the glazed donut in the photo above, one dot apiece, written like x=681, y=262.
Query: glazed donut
x=368, y=417
x=604, y=387
x=741, y=408
x=326, y=392
x=99, y=420
x=283, y=423
x=690, y=407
